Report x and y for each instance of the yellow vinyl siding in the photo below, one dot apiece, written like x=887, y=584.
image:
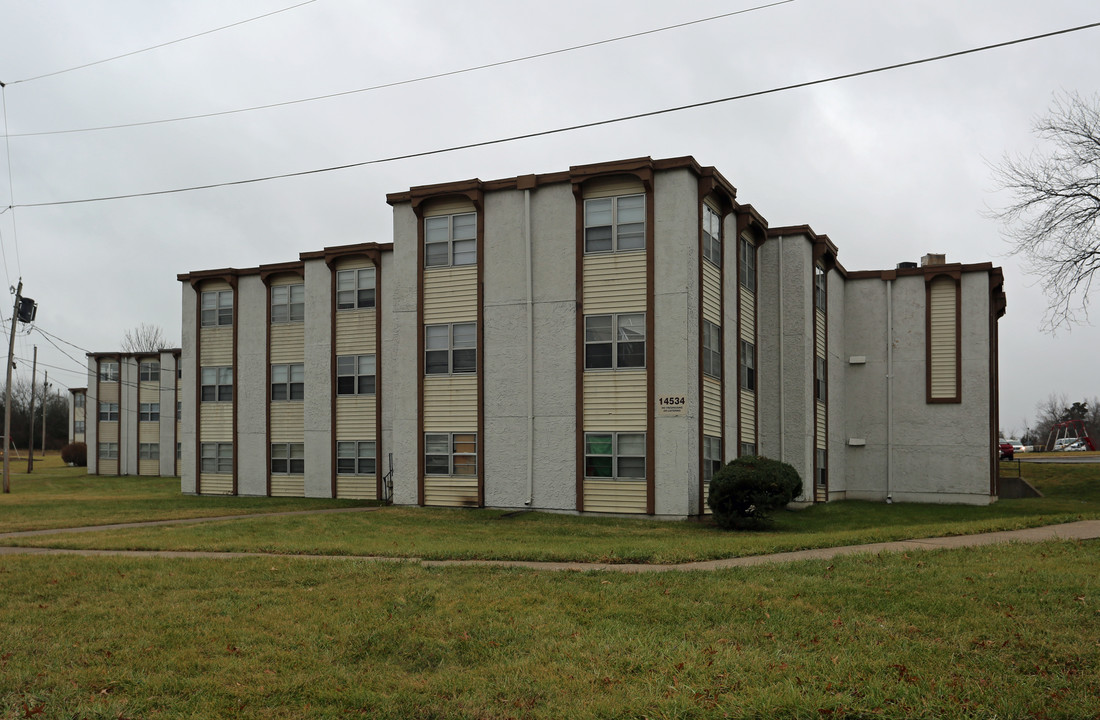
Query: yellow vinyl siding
x=615, y=401
x=216, y=345
x=108, y=467
x=943, y=352
x=819, y=428
x=615, y=496
x=450, y=491
x=148, y=467
x=356, y=488
x=450, y=404
x=288, y=343
x=450, y=206
x=748, y=314
x=150, y=391
x=216, y=484
x=450, y=294
x=712, y=294
x=612, y=186
x=355, y=332
x=712, y=407
x=286, y=279
x=819, y=333
x=149, y=432
x=355, y=417
x=288, y=486
x=216, y=422
x=748, y=416
x=108, y=392
x=287, y=422
x=615, y=283
x=108, y=432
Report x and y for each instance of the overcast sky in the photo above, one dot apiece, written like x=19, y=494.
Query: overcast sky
x=891, y=166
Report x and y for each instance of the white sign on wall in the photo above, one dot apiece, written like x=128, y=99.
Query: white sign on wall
x=671, y=404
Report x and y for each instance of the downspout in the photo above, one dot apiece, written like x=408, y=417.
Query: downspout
x=782, y=407
x=889, y=389
x=530, y=353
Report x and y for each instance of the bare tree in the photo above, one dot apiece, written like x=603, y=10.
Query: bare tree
x=144, y=339
x=1052, y=221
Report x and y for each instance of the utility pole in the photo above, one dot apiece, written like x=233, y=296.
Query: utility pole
x=7, y=392
x=45, y=404
x=30, y=433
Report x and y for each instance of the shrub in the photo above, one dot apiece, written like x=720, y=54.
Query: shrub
x=75, y=454
x=748, y=489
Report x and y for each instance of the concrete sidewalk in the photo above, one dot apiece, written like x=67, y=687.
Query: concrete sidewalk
x=1081, y=530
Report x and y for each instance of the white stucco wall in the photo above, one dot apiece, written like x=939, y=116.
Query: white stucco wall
x=318, y=383
x=167, y=429
x=399, y=343
x=250, y=378
x=188, y=382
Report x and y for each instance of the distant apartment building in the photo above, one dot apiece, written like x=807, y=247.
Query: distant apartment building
x=596, y=340
x=78, y=399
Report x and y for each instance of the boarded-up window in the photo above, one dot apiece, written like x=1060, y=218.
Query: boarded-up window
x=943, y=340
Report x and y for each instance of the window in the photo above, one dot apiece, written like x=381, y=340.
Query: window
x=288, y=382
x=747, y=265
x=78, y=427
x=450, y=348
x=820, y=296
x=108, y=451
x=712, y=235
x=148, y=412
x=215, y=458
x=822, y=469
x=288, y=303
x=748, y=449
x=614, y=456
x=614, y=341
x=748, y=366
x=355, y=458
x=288, y=458
x=355, y=375
x=355, y=289
x=148, y=451
x=712, y=456
x=450, y=454
x=149, y=371
x=819, y=379
x=216, y=308
x=108, y=412
x=108, y=372
x=179, y=450
x=614, y=224
x=179, y=410
x=78, y=400
x=712, y=349
x=450, y=240
x=217, y=384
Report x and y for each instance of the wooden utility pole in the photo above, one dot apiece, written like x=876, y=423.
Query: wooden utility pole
x=7, y=391
x=45, y=404
x=30, y=433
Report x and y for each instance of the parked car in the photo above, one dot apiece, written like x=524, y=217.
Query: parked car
x=1063, y=443
x=1076, y=447
x=1018, y=446
x=1007, y=450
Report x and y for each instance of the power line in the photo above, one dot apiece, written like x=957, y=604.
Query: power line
x=410, y=81
x=570, y=128
x=55, y=337
x=11, y=191
x=164, y=44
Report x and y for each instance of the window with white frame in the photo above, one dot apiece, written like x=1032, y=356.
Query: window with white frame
x=614, y=224
x=712, y=456
x=355, y=288
x=355, y=375
x=748, y=449
x=108, y=412
x=712, y=349
x=614, y=342
x=355, y=458
x=216, y=384
x=820, y=295
x=614, y=455
x=288, y=458
x=148, y=451
x=108, y=451
x=450, y=454
x=79, y=400
x=288, y=303
x=748, y=366
x=78, y=427
x=450, y=348
x=450, y=240
x=820, y=379
x=149, y=371
x=148, y=412
x=712, y=235
x=746, y=270
x=216, y=308
x=288, y=382
x=215, y=458
x=108, y=371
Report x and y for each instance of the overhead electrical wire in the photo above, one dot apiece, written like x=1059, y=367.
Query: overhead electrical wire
x=409, y=81
x=160, y=45
x=569, y=128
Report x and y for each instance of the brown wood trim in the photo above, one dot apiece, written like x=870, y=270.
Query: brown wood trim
x=418, y=214
x=650, y=351
x=287, y=268
x=931, y=274
x=578, y=388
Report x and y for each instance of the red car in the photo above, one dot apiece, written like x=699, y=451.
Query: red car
x=1006, y=450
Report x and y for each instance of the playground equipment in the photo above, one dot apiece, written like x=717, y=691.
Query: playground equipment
x=1070, y=429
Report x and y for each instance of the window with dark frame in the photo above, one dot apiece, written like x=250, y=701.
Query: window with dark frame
x=748, y=366
x=108, y=372
x=216, y=384
x=712, y=456
x=148, y=451
x=746, y=270
x=450, y=454
x=148, y=412
x=215, y=458
x=355, y=458
x=712, y=349
x=108, y=451
x=821, y=297
x=108, y=412
x=288, y=458
x=149, y=371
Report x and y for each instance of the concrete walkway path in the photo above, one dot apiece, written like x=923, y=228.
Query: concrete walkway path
x=1081, y=530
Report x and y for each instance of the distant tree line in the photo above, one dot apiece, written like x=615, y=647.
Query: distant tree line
x=1058, y=409
x=57, y=417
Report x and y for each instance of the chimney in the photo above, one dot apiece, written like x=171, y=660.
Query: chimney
x=933, y=259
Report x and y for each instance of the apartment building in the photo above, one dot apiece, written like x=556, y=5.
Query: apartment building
x=595, y=340
x=131, y=413
x=78, y=401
